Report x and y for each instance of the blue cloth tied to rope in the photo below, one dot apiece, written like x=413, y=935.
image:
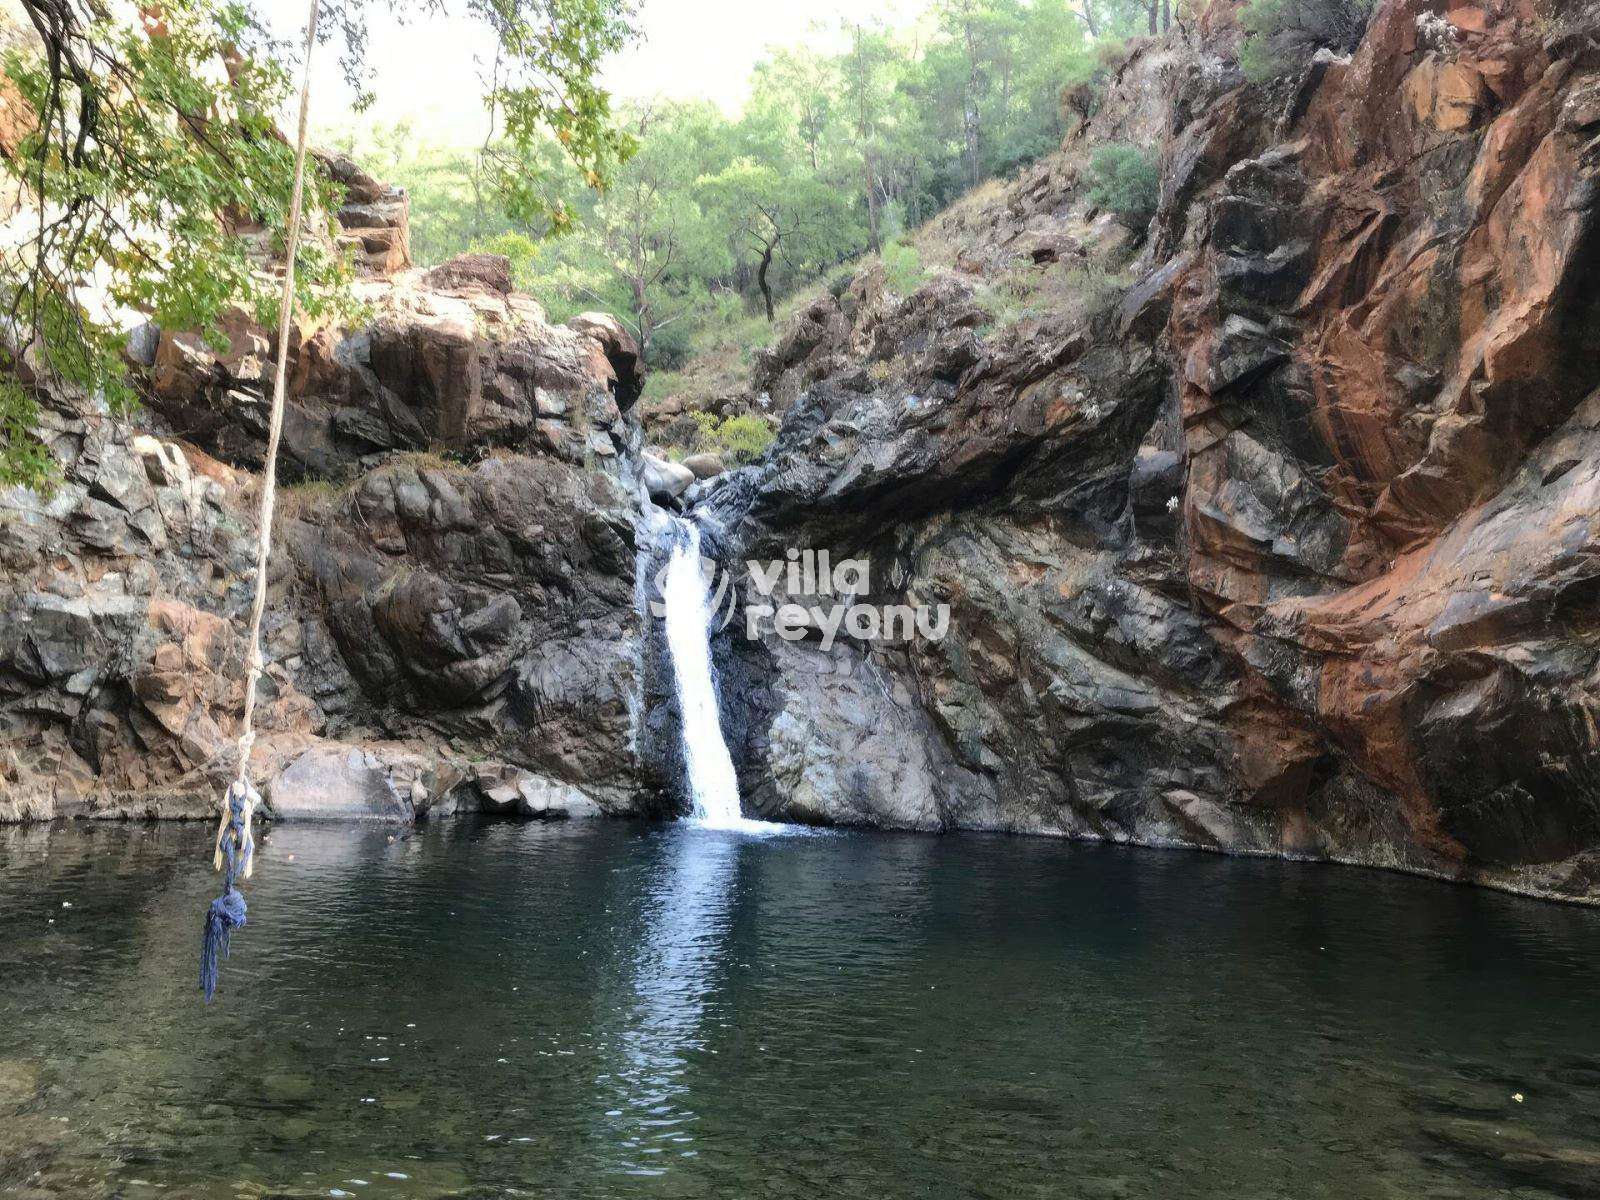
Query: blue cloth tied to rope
x=236, y=848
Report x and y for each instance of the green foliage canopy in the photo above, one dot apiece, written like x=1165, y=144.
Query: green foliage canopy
x=833, y=154
x=152, y=147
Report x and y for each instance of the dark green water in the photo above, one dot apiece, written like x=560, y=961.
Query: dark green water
x=600, y=1009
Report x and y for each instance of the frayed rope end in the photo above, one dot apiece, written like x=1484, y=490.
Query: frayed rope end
x=226, y=913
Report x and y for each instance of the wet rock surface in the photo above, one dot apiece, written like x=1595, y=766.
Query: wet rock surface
x=1280, y=549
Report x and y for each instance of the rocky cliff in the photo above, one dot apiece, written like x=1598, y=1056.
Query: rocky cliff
x=1268, y=528
x=1272, y=531
x=453, y=618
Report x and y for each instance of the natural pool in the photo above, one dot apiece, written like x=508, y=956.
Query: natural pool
x=598, y=1009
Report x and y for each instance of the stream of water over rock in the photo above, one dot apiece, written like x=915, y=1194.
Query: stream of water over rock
x=689, y=608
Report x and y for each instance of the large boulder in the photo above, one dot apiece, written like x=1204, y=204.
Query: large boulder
x=472, y=272
x=664, y=480
x=705, y=466
x=371, y=781
x=505, y=789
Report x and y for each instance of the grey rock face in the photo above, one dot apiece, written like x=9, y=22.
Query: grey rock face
x=848, y=744
x=495, y=603
x=1257, y=555
x=339, y=784
x=429, y=619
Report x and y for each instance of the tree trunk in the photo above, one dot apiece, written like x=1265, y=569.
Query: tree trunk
x=870, y=180
x=641, y=315
x=1152, y=10
x=761, y=280
x=971, y=117
x=1166, y=15
x=1089, y=22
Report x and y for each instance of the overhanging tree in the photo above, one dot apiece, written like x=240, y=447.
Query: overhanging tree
x=147, y=148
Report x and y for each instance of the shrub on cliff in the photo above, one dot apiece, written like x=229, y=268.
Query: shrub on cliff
x=1282, y=35
x=902, y=268
x=737, y=439
x=1125, y=180
x=671, y=346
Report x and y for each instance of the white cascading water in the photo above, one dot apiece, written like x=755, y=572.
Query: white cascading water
x=685, y=596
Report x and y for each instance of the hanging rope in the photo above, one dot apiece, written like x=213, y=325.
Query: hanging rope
x=235, y=850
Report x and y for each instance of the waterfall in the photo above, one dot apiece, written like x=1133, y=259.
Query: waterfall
x=686, y=606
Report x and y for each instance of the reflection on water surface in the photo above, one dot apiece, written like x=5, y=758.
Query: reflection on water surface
x=599, y=1009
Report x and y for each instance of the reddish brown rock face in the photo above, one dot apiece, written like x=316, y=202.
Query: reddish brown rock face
x=1293, y=551
x=1428, y=343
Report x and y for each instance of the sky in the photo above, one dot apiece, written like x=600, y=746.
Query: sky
x=429, y=70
